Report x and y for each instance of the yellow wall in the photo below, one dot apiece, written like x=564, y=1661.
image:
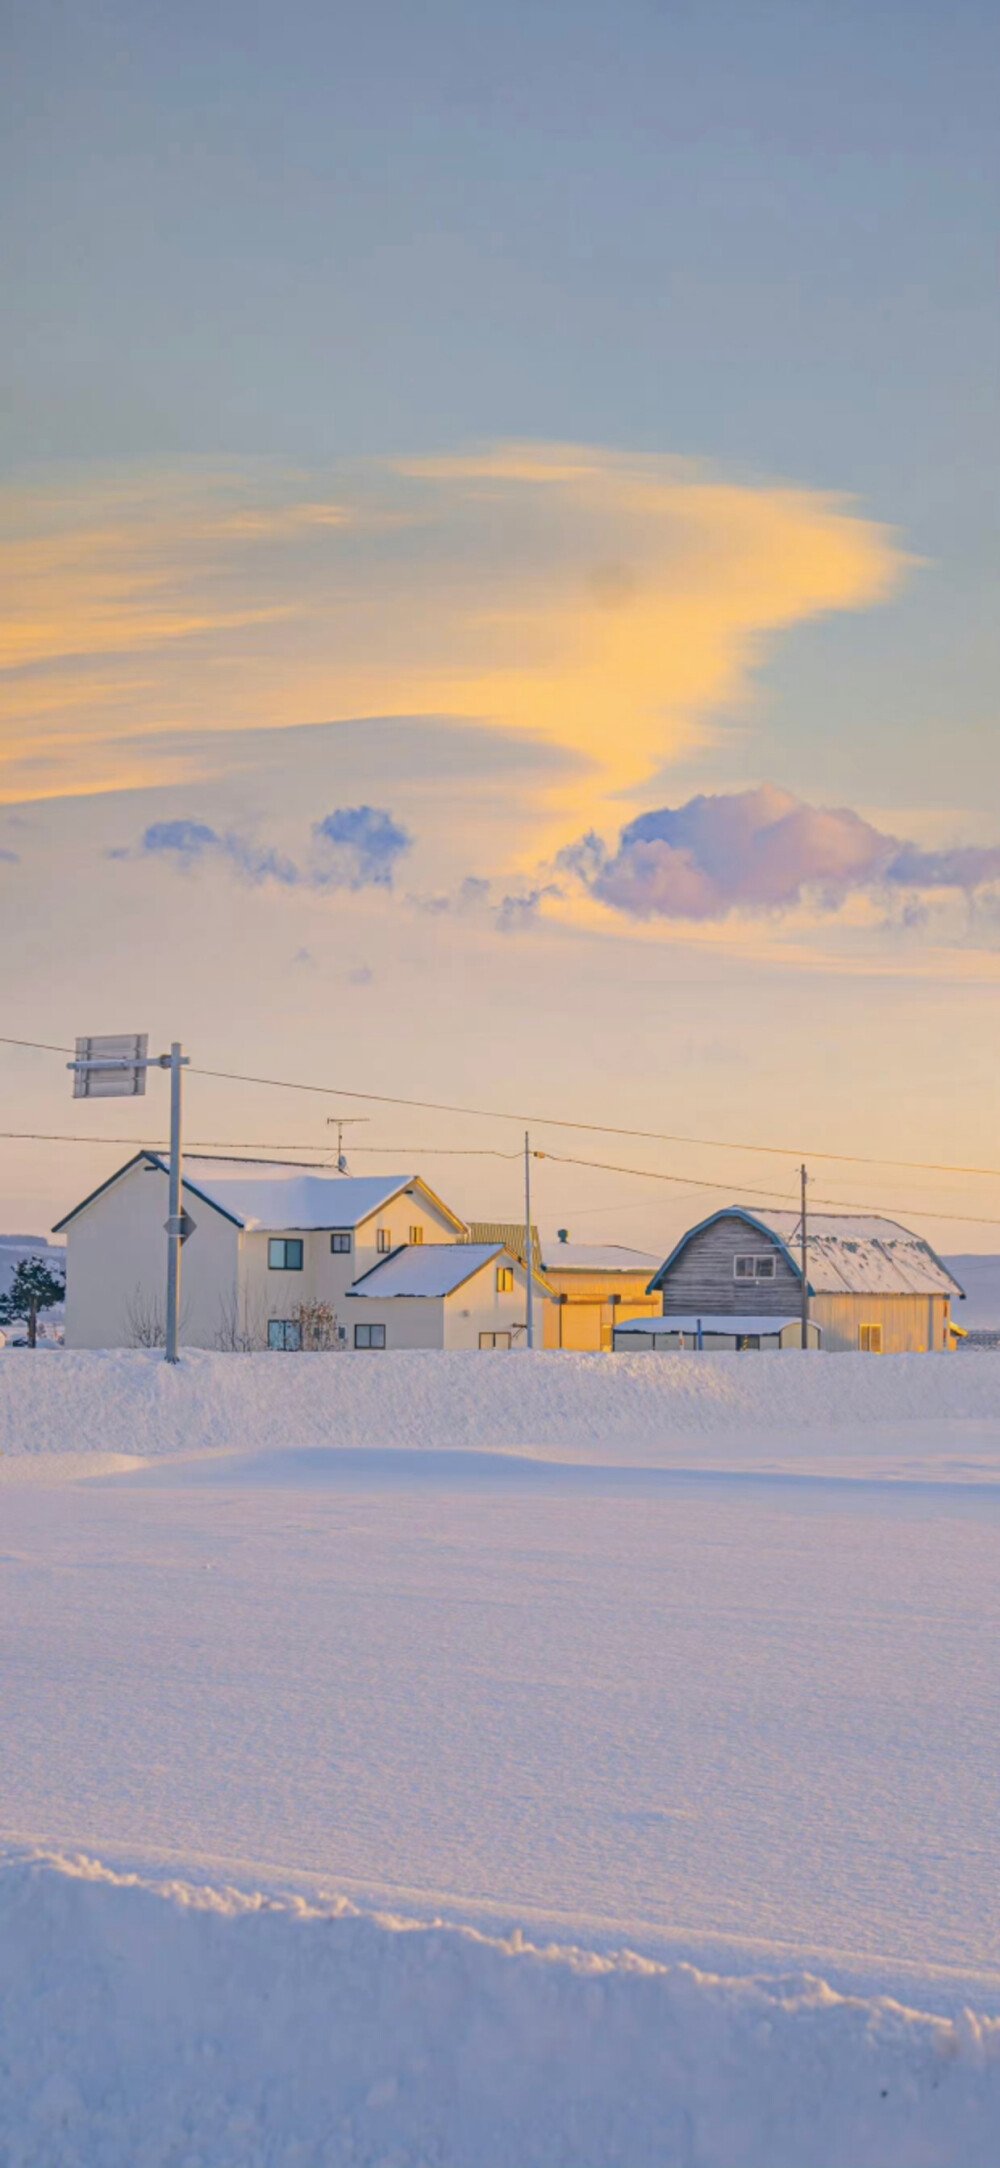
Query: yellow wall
x=911, y=1324
x=585, y=1321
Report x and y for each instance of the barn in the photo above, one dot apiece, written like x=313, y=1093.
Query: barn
x=874, y=1285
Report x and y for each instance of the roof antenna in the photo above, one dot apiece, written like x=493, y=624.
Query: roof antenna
x=340, y=1123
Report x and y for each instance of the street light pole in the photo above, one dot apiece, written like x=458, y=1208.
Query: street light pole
x=529, y=1261
x=175, y=1220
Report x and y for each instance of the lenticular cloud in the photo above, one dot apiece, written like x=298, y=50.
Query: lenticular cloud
x=759, y=850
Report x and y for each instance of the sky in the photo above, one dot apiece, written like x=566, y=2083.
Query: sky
x=498, y=560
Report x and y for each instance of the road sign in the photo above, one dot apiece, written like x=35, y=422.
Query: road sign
x=184, y=1227
x=113, y=1067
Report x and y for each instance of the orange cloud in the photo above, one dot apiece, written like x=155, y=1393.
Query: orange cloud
x=610, y=605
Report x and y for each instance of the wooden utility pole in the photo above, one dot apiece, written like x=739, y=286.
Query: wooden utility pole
x=804, y=1252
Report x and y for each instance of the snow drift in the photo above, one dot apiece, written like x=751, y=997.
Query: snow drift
x=147, y=2025
x=639, y=1409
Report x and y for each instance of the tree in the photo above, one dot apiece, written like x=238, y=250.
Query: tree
x=33, y=1288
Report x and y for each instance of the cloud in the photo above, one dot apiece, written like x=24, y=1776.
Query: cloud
x=358, y=847
x=760, y=850
x=354, y=847
x=607, y=605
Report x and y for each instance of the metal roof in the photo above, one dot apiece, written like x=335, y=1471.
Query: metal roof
x=848, y=1253
x=738, y=1323
x=595, y=1257
x=510, y=1233
x=426, y=1268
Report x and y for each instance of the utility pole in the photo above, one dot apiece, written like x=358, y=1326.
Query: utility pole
x=805, y=1262
x=529, y=1260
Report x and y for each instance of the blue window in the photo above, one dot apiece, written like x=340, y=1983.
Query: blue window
x=369, y=1335
x=284, y=1333
x=284, y=1253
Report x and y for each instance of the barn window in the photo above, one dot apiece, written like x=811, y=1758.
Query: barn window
x=757, y=1266
x=870, y=1339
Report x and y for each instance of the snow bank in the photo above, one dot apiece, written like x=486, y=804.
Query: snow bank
x=634, y=1408
x=148, y=2025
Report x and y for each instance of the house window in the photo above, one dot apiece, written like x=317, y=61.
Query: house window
x=756, y=1267
x=284, y=1253
x=340, y=1242
x=494, y=1339
x=505, y=1279
x=416, y=1234
x=284, y=1333
x=383, y=1241
x=369, y=1335
x=870, y=1339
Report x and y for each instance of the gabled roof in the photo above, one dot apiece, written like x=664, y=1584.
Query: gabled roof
x=847, y=1253
x=427, y=1268
x=264, y=1196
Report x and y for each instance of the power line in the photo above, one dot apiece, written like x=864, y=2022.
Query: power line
x=832, y=1204
x=555, y=1121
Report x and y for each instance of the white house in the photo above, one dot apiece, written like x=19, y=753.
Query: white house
x=271, y=1242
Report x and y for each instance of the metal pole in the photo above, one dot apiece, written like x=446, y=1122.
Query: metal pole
x=173, y=1062
x=529, y=1260
x=805, y=1264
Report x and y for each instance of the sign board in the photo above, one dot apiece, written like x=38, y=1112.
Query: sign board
x=113, y=1067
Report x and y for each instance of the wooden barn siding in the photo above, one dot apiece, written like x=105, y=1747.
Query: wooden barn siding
x=702, y=1279
x=910, y=1323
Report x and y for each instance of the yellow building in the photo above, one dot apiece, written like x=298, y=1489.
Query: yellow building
x=594, y=1286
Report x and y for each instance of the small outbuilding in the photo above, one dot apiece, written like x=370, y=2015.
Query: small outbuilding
x=873, y=1285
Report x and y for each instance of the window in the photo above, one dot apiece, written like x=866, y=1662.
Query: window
x=870, y=1339
x=340, y=1241
x=756, y=1267
x=284, y=1333
x=416, y=1234
x=494, y=1339
x=746, y=1340
x=369, y=1335
x=284, y=1254
x=383, y=1241
x=505, y=1279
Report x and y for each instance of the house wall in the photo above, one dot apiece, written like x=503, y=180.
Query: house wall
x=911, y=1324
x=702, y=1277
x=326, y=1276
x=451, y=1321
x=116, y=1266
x=585, y=1318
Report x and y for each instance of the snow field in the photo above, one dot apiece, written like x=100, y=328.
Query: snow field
x=167, y=2025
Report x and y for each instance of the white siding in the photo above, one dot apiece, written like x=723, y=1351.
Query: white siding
x=116, y=1266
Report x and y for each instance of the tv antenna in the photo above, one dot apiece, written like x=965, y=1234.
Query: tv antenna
x=340, y=1122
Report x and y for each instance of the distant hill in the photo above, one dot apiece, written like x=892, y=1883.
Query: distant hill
x=980, y=1277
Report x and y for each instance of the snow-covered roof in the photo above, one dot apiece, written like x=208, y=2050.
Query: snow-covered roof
x=596, y=1257
x=859, y=1253
x=849, y=1253
x=266, y=1196
x=740, y=1323
x=427, y=1268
